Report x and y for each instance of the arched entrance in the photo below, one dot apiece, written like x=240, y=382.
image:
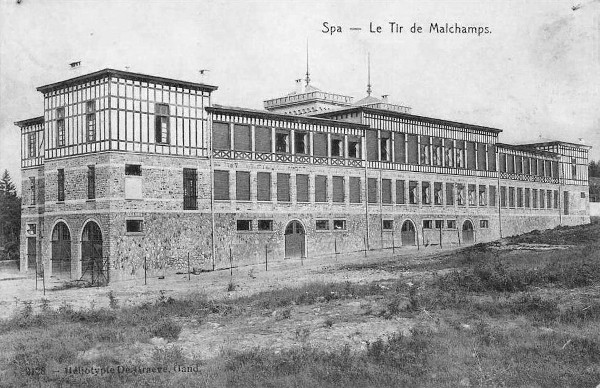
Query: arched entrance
x=407, y=233
x=61, y=250
x=468, y=235
x=92, y=264
x=295, y=239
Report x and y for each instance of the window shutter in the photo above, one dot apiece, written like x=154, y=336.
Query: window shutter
x=302, y=188
x=491, y=158
x=471, y=155
x=283, y=187
x=242, y=138
x=263, y=192
x=400, y=192
x=263, y=139
x=320, y=144
x=413, y=149
x=481, y=156
x=449, y=194
x=526, y=169
x=386, y=191
x=320, y=188
x=372, y=153
x=221, y=140
x=372, y=190
x=355, y=190
x=338, y=189
x=221, y=185
x=492, y=201
x=399, y=153
x=548, y=169
x=242, y=186
x=534, y=166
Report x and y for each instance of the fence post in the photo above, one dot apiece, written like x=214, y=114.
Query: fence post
x=393, y=239
x=145, y=269
x=441, y=238
x=365, y=244
x=189, y=278
x=36, y=273
x=230, y=263
x=266, y=257
x=44, y=278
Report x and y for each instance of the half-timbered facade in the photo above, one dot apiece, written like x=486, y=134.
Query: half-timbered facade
x=127, y=171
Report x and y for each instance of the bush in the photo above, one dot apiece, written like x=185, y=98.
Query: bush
x=167, y=329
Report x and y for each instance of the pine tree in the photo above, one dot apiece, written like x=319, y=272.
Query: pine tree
x=7, y=187
x=10, y=216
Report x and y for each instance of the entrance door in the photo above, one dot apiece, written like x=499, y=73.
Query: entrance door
x=408, y=233
x=92, y=264
x=61, y=251
x=31, y=256
x=468, y=233
x=294, y=240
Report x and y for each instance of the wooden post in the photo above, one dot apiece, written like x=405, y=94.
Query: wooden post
x=36, y=274
x=393, y=238
x=230, y=263
x=44, y=278
x=365, y=243
x=441, y=238
x=189, y=277
x=266, y=257
x=145, y=268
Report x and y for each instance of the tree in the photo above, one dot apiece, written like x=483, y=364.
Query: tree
x=10, y=216
x=594, y=169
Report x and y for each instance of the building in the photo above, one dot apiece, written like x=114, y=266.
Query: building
x=126, y=171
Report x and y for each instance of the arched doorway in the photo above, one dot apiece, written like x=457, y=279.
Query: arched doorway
x=407, y=233
x=295, y=238
x=92, y=264
x=468, y=235
x=61, y=250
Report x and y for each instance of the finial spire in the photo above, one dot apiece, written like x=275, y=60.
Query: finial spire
x=369, y=74
x=307, y=72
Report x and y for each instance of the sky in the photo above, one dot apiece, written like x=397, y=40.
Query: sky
x=536, y=75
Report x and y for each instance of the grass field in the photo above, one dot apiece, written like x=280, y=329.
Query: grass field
x=523, y=312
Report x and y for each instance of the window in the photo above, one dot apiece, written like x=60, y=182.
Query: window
x=339, y=224
x=482, y=195
x=244, y=225
x=300, y=142
x=322, y=224
x=190, y=191
x=283, y=187
x=386, y=191
x=354, y=148
x=61, y=185
x=282, y=141
x=91, y=181
x=32, y=190
x=263, y=190
x=161, y=123
x=511, y=197
x=471, y=156
x=439, y=224
x=355, y=190
x=301, y=188
x=472, y=196
x=425, y=150
x=549, y=198
x=60, y=127
x=460, y=194
x=262, y=139
x=413, y=196
x=384, y=142
x=134, y=226
x=387, y=224
x=437, y=193
x=221, y=139
x=534, y=200
x=399, y=147
x=242, y=140
x=542, y=198
x=413, y=149
x=242, y=185
x=319, y=144
x=400, y=192
x=31, y=145
x=427, y=224
x=221, y=191
x=450, y=194
x=337, y=147
x=484, y=224
x=556, y=199
x=31, y=229
x=426, y=193
x=320, y=188
x=338, y=189
x=451, y=224
x=527, y=197
x=503, y=196
x=265, y=225
x=437, y=152
x=519, y=197
x=133, y=169
x=90, y=118
x=492, y=201
x=372, y=190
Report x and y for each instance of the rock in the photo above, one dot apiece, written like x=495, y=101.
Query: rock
x=158, y=341
x=465, y=326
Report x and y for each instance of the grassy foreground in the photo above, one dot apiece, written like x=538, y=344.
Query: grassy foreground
x=487, y=316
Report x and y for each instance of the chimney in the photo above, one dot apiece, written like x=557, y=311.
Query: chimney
x=385, y=97
x=76, y=67
x=299, y=86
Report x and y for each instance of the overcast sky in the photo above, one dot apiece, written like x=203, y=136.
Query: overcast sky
x=537, y=74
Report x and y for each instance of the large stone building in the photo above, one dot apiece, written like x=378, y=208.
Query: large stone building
x=126, y=170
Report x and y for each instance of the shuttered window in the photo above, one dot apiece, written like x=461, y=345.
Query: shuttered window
x=263, y=189
x=527, y=197
x=437, y=193
x=386, y=191
x=471, y=155
x=526, y=167
x=190, y=192
x=491, y=157
x=540, y=167
x=399, y=150
x=355, y=190
x=534, y=198
x=413, y=196
x=262, y=139
x=400, y=198
x=492, y=191
x=542, y=198
x=518, y=164
x=242, y=140
x=554, y=169
x=354, y=147
x=372, y=190
x=511, y=197
x=372, y=153
x=534, y=166
x=283, y=187
x=450, y=194
x=301, y=142
x=548, y=168
x=242, y=186
x=338, y=189
x=221, y=140
x=302, y=188
x=460, y=154
x=510, y=164
x=221, y=185
x=384, y=141
x=320, y=144
x=161, y=123
x=437, y=152
x=413, y=149
x=320, y=188
x=519, y=197
x=481, y=156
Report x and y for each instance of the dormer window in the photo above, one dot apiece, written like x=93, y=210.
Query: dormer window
x=161, y=128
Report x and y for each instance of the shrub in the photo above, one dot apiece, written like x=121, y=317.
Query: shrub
x=167, y=329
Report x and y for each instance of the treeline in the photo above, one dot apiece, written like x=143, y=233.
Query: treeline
x=10, y=218
x=594, y=169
